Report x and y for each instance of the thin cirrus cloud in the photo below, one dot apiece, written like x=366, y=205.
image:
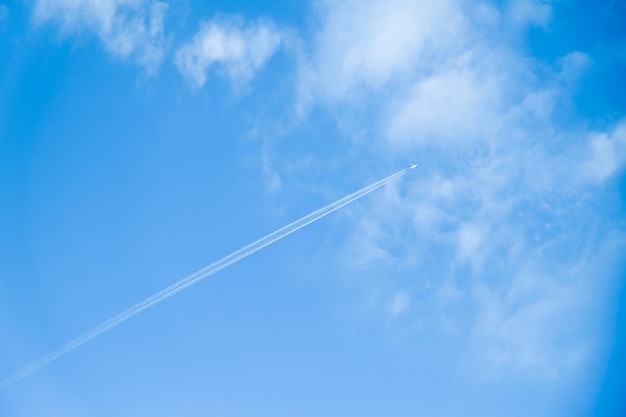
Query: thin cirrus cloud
x=504, y=192
x=239, y=50
x=127, y=28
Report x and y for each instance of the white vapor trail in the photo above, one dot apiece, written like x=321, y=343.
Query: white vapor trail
x=195, y=278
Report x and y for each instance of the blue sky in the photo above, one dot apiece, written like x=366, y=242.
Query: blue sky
x=141, y=140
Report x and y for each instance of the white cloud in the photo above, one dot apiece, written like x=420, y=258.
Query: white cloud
x=436, y=71
x=240, y=50
x=573, y=65
x=372, y=43
x=536, y=273
x=375, y=42
x=367, y=247
x=470, y=240
x=606, y=153
x=527, y=326
x=273, y=182
x=498, y=191
x=128, y=28
x=535, y=12
x=400, y=303
x=457, y=102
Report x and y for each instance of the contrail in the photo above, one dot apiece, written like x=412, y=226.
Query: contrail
x=195, y=278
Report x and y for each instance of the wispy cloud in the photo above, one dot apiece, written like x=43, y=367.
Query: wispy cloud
x=237, y=48
x=273, y=182
x=500, y=210
x=530, y=12
x=127, y=28
x=606, y=153
x=526, y=327
x=400, y=303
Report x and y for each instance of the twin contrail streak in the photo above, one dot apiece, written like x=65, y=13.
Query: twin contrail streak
x=195, y=278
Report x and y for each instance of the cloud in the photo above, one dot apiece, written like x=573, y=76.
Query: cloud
x=436, y=71
x=400, y=303
x=465, y=94
x=239, y=49
x=127, y=28
x=499, y=210
x=573, y=65
x=373, y=43
x=530, y=12
x=606, y=153
x=470, y=240
x=273, y=182
x=526, y=326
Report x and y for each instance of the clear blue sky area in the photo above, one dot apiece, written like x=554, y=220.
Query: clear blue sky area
x=141, y=140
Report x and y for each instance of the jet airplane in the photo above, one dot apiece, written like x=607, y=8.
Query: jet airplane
x=413, y=166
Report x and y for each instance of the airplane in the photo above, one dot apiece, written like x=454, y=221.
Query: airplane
x=413, y=166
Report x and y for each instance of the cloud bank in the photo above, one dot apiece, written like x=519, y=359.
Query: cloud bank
x=497, y=235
